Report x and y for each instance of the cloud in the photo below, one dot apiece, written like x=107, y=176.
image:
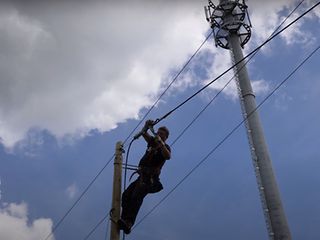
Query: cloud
x=265, y=18
x=297, y=34
x=95, y=65
x=91, y=66
x=71, y=191
x=282, y=101
x=222, y=61
x=15, y=225
x=227, y=82
x=260, y=86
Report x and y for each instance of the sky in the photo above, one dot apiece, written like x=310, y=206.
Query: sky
x=76, y=77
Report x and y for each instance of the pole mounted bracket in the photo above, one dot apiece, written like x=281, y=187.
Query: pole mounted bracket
x=229, y=17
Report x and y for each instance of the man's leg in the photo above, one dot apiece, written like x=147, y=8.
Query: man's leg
x=126, y=199
x=137, y=197
x=132, y=199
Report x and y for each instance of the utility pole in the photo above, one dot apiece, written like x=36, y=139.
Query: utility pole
x=232, y=30
x=116, y=193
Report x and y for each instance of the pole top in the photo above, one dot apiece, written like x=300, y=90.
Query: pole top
x=229, y=17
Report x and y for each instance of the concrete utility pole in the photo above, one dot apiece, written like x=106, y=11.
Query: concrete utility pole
x=228, y=21
x=116, y=193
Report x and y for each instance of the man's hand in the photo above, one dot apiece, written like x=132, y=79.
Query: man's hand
x=149, y=123
x=159, y=140
x=145, y=128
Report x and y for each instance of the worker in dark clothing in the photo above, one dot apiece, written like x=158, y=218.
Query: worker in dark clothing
x=149, y=171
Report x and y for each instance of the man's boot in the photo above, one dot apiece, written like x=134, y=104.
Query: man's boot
x=125, y=226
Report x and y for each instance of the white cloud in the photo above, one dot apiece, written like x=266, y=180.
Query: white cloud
x=14, y=224
x=297, y=34
x=265, y=18
x=260, y=86
x=97, y=64
x=222, y=62
x=282, y=101
x=71, y=191
x=91, y=66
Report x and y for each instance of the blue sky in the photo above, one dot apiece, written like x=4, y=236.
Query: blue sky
x=77, y=78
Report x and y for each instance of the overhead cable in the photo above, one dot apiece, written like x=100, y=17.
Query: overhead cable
x=211, y=83
x=229, y=81
x=210, y=153
x=227, y=136
x=226, y=71
x=56, y=226
x=167, y=88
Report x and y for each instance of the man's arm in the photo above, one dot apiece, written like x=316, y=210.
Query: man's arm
x=166, y=151
x=147, y=137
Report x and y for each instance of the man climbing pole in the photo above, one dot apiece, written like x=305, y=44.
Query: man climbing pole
x=149, y=171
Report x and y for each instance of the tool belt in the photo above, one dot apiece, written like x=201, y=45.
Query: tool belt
x=149, y=177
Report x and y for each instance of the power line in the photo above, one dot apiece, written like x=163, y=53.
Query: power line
x=78, y=199
x=222, y=89
x=227, y=136
x=94, y=229
x=155, y=103
x=107, y=230
x=146, y=114
x=222, y=74
x=252, y=53
x=212, y=151
x=176, y=108
x=167, y=88
x=108, y=225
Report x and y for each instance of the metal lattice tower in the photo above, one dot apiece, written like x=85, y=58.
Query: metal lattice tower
x=232, y=30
